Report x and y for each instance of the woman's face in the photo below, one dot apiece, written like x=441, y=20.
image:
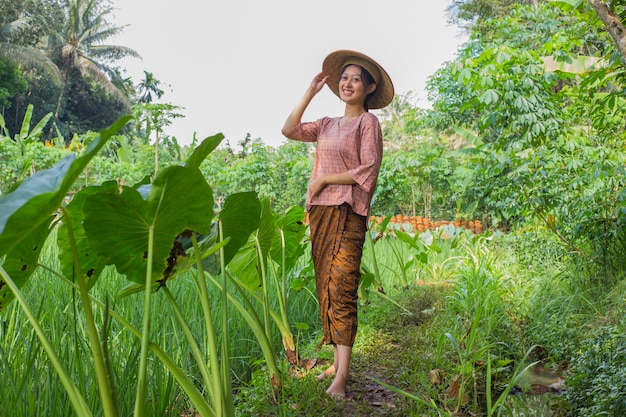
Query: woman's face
x=351, y=87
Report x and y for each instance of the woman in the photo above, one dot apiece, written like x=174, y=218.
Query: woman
x=347, y=161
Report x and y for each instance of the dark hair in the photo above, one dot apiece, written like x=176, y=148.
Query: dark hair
x=367, y=81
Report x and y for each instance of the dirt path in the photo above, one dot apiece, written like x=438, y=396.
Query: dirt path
x=370, y=398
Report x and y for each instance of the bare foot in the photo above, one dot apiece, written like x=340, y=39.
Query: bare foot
x=338, y=388
x=327, y=373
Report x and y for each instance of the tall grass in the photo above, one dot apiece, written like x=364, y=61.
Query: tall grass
x=497, y=308
x=31, y=387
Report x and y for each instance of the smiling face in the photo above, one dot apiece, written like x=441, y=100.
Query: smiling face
x=353, y=89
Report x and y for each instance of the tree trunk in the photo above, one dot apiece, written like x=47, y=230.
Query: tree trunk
x=615, y=28
x=60, y=100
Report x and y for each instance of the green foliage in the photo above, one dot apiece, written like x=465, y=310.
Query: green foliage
x=478, y=10
x=280, y=174
x=597, y=382
x=12, y=82
x=536, y=157
x=89, y=107
x=414, y=178
x=66, y=57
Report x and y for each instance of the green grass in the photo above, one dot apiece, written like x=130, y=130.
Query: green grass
x=404, y=334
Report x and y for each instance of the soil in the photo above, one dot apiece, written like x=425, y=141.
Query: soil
x=370, y=398
x=364, y=396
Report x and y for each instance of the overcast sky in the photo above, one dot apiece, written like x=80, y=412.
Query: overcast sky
x=239, y=66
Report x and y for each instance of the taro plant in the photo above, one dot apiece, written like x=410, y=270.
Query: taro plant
x=145, y=232
x=27, y=215
x=265, y=262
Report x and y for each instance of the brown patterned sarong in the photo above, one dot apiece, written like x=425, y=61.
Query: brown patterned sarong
x=337, y=236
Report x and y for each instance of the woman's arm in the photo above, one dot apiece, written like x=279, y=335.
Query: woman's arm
x=328, y=179
x=295, y=116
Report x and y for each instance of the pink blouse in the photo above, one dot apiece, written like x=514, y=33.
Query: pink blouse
x=356, y=147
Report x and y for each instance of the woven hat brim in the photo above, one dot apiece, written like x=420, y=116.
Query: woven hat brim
x=335, y=61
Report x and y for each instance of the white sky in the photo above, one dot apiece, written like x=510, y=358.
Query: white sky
x=239, y=66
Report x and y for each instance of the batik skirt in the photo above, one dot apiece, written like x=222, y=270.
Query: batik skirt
x=337, y=236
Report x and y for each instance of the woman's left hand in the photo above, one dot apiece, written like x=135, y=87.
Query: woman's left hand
x=317, y=186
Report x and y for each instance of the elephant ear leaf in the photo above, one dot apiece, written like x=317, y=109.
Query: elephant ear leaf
x=121, y=227
x=203, y=150
x=246, y=262
x=21, y=261
x=291, y=232
x=91, y=265
x=239, y=217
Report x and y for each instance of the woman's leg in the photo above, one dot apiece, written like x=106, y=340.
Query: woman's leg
x=330, y=371
x=342, y=365
x=337, y=251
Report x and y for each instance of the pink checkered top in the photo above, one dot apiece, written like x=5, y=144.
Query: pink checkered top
x=356, y=147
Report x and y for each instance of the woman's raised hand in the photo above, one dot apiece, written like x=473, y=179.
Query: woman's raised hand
x=296, y=114
x=318, y=82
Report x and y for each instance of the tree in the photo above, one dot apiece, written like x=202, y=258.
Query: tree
x=149, y=86
x=11, y=81
x=155, y=117
x=398, y=122
x=469, y=13
x=79, y=45
x=23, y=53
x=613, y=24
x=549, y=140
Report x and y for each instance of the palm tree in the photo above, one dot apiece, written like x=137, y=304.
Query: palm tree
x=148, y=86
x=81, y=47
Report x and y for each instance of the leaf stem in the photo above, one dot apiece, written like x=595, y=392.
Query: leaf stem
x=216, y=380
x=140, y=402
x=106, y=394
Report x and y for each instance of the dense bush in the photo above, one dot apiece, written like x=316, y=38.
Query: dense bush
x=597, y=383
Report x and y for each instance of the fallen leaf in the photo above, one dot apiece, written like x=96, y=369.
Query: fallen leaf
x=436, y=376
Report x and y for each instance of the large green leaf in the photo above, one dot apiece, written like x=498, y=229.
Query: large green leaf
x=245, y=264
x=21, y=261
x=268, y=238
x=118, y=224
x=267, y=232
x=201, y=151
x=23, y=210
x=567, y=5
x=90, y=264
x=293, y=231
x=577, y=64
x=239, y=218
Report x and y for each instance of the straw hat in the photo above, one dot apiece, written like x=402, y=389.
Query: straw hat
x=335, y=61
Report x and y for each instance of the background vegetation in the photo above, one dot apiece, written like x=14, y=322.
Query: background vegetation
x=526, y=134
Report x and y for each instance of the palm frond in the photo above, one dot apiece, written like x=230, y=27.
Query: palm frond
x=113, y=52
x=31, y=57
x=96, y=72
x=9, y=29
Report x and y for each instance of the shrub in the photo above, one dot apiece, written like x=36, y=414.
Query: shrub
x=597, y=385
